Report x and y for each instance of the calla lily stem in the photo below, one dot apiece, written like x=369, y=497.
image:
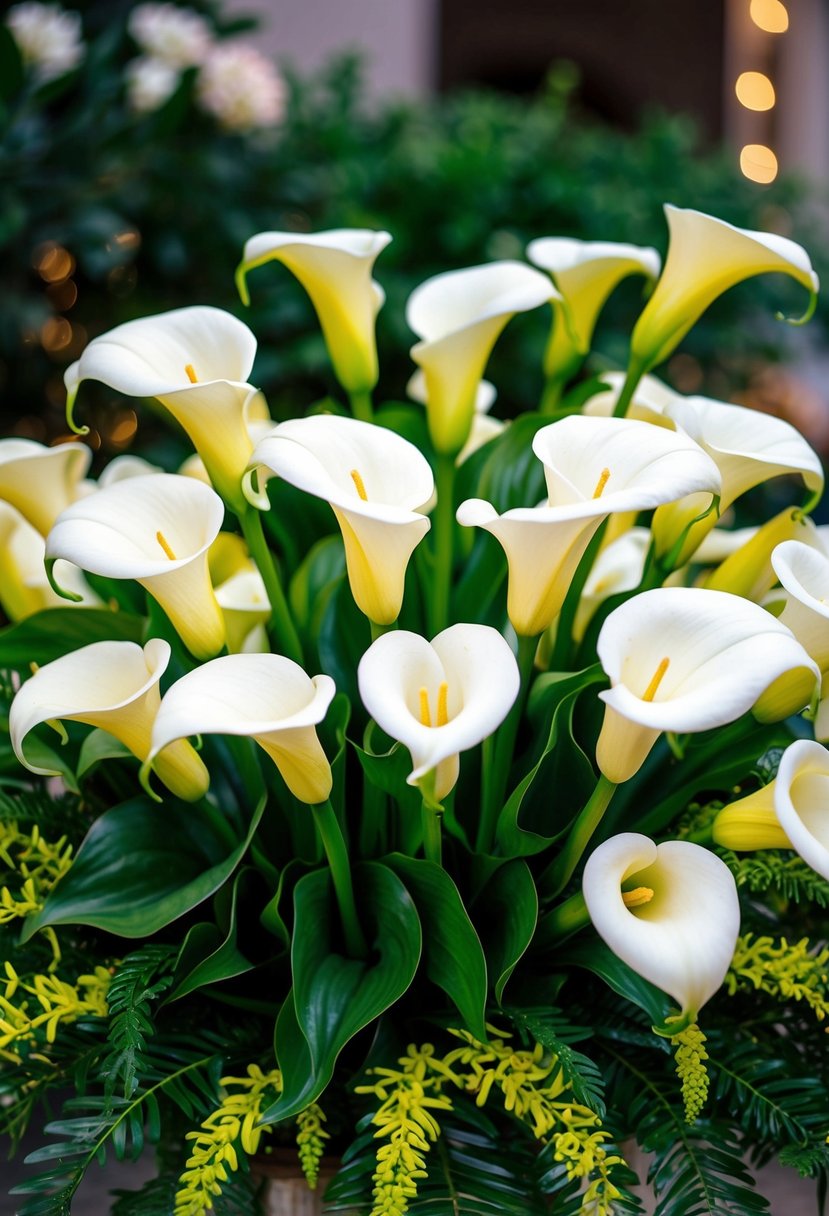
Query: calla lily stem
x=283, y=625
x=556, y=877
x=499, y=754
x=432, y=842
x=361, y=406
x=444, y=524
x=562, y=921
x=337, y=854
x=634, y=375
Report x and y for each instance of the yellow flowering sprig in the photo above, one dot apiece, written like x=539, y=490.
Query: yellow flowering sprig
x=56, y=1002
x=36, y=864
x=215, y=1149
x=310, y=1140
x=791, y=972
x=690, y=1057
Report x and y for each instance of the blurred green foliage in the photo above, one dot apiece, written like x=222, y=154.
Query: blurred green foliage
x=154, y=210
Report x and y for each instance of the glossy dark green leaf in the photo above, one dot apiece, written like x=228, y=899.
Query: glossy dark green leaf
x=100, y=745
x=335, y=996
x=207, y=955
x=141, y=866
x=513, y=476
x=506, y=912
x=344, y=637
x=54, y=632
x=323, y=566
x=595, y=956
x=452, y=951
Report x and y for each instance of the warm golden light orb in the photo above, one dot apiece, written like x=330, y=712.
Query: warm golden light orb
x=754, y=91
x=758, y=163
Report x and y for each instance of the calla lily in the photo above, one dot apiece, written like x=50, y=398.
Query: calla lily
x=114, y=686
x=156, y=530
x=687, y=659
x=585, y=272
x=439, y=698
x=803, y=570
x=39, y=481
x=618, y=567
x=748, y=448
x=196, y=362
x=124, y=467
x=706, y=256
x=335, y=269
x=245, y=606
x=484, y=427
x=670, y=911
x=377, y=484
x=459, y=315
x=264, y=696
x=748, y=571
x=648, y=403
x=594, y=467
x=24, y=587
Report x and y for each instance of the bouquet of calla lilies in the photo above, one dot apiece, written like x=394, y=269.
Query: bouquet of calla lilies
x=334, y=831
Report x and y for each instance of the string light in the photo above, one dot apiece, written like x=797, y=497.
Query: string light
x=755, y=91
x=758, y=163
x=770, y=15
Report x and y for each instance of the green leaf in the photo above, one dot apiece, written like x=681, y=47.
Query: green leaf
x=43, y=756
x=54, y=632
x=452, y=949
x=323, y=567
x=141, y=866
x=11, y=64
x=335, y=996
x=100, y=745
x=513, y=476
x=595, y=956
x=207, y=956
x=508, y=914
x=344, y=637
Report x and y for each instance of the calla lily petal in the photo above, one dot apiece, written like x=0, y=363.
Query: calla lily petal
x=40, y=481
x=156, y=530
x=706, y=256
x=377, y=484
x=804, y=573
x=439, y=698
x=266, y=697
x=112, y=685
x=459, y=315
x=24, y=587
x=682, y=938
x=335, y=269
x=244, y=602
x=648, y=404
x=801, y=802
x=687, y=659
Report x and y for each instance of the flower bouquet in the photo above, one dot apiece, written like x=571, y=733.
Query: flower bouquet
x=429, y=792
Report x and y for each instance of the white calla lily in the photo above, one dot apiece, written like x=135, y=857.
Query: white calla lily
x=114, y=686
x=40, y=481
x=244, y=602
x=377, y=484
x=157, y=530
x=670, y=911
x=687, y=659
x=594, y=467
x=124, y=467
x=748, y=448
x=803, y=570
x=439, y=698
x=585, y=272
x=196, y=361
x=335, y=269
x=458, y=316
x=648, y=403
x=484, y=427
x=801, y=802
x=618, y=567
x=265, y=697
x=706, y=256
x=24, y=587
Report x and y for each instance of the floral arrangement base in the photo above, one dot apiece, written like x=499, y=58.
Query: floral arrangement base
x=286, y=1191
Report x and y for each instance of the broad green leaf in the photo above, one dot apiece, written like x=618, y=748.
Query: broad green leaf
x=100, y=745
x=506, y=916
x=141, y=866
x=208, y=955
x=336, y=996
x=452, y=950
x=595, y=956
x=343, y=638
x=54, y=632
x=273, y=917
x=513, y=476
x=324, y=566
x=43, y=756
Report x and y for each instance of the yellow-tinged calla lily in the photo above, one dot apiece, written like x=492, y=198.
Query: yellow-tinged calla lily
x=748, y=448
x=266, y=697
x=670, y=911
x=439, y=698
x=156, y=530
x=585, y=272
x=594, y=467
x=24, y=587
x=706, y=256
x=377, y=484
x=335, y=269
x=484, y=427
x=458, y=316
x=196, y=362
x=40, y=481
x=803, y=570
x=687, y=659
x=114, y=686
x=748, y=570
x=245, y=606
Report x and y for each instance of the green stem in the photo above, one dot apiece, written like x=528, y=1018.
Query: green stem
x=444, y=526
x=562, y=921
x=377, y=631
x=557, y=875
x=432, y=842
x=361, y=406
x=567, y=616
x=551, y=395
x=634, y=375
x=337, y=854
x=496, y=773
x=281, y=621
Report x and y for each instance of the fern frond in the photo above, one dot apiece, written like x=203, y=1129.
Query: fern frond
x=778, y=870
x=554, y=1031
x=140, y=979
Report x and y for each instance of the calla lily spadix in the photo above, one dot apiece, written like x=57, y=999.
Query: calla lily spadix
x=686, y=659
x=156, y=530
x=335, y=269
x=594, y=467
x=196, y=363
x=706, y=256
x=24, y=587
x=439, y=698
x=377, y=484
x=40, y=481
x=585, y=272
x=114, y=686
x=266, y=697
x=748, y=447
x=670, y=911
x=458, y=316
